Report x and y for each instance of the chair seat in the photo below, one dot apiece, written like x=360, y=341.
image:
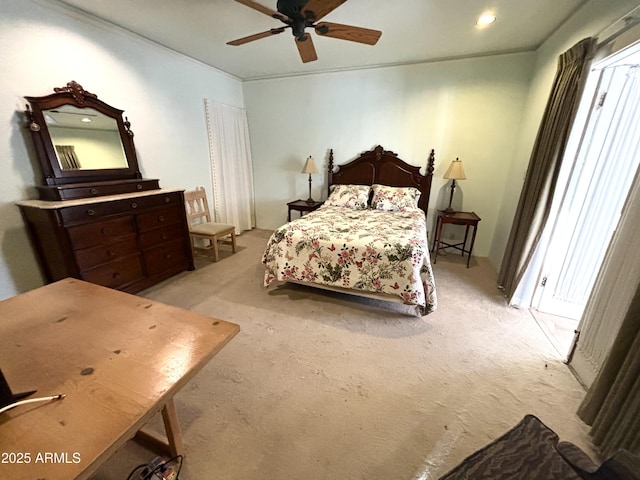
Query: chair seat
x=204, y=233
x=211, y=228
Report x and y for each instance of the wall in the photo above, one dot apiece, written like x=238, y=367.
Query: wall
x=44, y=45
x=464, y=108
x=590, y=20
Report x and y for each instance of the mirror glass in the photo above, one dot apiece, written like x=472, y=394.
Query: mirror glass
x=85, y=139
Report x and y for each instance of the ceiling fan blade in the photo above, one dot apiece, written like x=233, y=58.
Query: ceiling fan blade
x=257, y=36
x=306, y=49
x=261, y=8
x=320, y=8
x=348, y=32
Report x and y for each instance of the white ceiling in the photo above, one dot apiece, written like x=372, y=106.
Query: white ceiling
x=412, y=31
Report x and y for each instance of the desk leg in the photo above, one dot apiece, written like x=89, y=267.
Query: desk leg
x=172, y=427
x=289, y=215
x=173, y=444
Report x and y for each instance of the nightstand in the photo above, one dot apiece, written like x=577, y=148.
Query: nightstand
x=469, y=219
x=302, y=206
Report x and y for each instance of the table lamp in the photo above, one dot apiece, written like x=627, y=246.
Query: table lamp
x=310, y=168
x=453, y=173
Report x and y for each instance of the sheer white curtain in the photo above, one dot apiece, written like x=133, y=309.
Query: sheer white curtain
x=231, y=167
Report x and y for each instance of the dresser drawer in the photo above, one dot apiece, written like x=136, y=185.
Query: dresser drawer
x=101, y=232
x=97, y=189
x=91, y=257
x=161, y=235
x=116, y=273
x=164, y=256
x=91, y=211
x=159, y=218
x=165, y=199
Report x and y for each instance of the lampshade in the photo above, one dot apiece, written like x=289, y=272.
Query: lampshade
x=455, y=171
x=309, y=166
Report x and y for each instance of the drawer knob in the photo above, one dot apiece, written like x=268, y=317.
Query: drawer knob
x=167, y=199
x=161, y=218
x=168, y=256
x=115, y=275
x=91, y=212
x=164, y=236
x=134, y=205
x=106, y=230
x=94, y=191
x=110, y=253
x=139, y=186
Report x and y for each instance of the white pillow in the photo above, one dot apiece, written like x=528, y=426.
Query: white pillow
x=355, y=197
x=394, y=199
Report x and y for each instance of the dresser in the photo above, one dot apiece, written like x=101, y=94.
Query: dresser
x=97, y=218
x=127, y=241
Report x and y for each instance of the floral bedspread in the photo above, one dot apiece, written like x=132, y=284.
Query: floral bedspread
x=369, y=250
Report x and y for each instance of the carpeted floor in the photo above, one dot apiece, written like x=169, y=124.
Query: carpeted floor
x=559, y=330
x=319, y=385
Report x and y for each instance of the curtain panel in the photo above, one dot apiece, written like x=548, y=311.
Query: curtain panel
x=612, y=404
x=231, y=165
x=535, y=201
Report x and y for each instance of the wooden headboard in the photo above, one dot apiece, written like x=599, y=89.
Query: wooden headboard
x=385, y=168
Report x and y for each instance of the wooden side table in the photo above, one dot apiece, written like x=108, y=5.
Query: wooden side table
x=302, y=206
x=469, y=219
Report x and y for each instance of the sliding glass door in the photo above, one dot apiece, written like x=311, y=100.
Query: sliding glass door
x=604, y=168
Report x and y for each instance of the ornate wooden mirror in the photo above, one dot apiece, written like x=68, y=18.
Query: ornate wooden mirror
x=84, y=146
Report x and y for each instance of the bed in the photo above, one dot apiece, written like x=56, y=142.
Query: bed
x=369, y=238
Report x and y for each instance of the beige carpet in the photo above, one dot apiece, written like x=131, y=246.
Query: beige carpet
x=319, y=385
x=559, y=330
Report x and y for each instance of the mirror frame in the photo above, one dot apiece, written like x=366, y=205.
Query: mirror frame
x=74, y=94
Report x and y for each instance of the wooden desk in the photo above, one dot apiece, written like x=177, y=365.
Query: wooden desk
x=302, y=206
x=119, y=359
x=469, y=219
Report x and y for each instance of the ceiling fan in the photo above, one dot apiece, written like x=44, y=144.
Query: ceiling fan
x=301, y=14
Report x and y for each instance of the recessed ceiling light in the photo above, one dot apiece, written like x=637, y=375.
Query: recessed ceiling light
x=485, y=19
x=86, y=120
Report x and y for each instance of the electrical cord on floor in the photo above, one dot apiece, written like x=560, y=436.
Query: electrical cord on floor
x=139, y=467
x=164, y=468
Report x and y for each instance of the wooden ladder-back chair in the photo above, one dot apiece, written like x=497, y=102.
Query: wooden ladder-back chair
x=202, y=229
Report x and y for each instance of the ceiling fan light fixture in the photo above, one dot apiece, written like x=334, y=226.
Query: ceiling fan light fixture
x=485, y=19
x=299, y=15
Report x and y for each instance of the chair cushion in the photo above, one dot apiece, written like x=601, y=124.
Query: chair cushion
x=211, y=228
